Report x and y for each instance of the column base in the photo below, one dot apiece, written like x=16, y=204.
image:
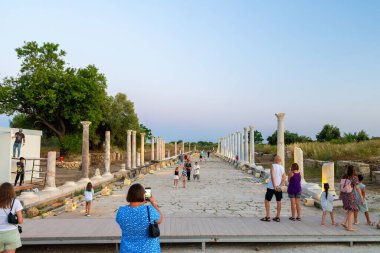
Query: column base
x=69, y=184
x=84, y=180
x=107, y=174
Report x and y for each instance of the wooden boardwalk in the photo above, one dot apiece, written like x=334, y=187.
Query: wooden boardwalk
x=202, y=230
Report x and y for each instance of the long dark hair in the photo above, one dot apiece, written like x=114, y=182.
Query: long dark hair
x=89, y=186
x=350, y=171
x=7, y=194
x=294, y=167
x=326, y=186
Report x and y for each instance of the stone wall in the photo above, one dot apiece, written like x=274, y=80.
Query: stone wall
x=360, y=168
x=98, y=158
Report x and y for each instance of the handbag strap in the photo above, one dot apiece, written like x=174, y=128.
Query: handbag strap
x=147, y=208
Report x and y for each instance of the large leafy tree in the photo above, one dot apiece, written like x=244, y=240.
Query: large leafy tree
x=328, y=133
x=289, y=138
x=52, y=95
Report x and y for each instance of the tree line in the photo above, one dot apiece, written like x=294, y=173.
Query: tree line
x=50, y=95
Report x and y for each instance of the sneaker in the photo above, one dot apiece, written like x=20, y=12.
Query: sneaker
x=88, y=215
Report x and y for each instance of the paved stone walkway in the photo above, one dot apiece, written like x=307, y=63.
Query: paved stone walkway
x=223, y=191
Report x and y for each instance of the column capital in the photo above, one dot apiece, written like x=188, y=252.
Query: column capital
x=129, y=132
x=252, y=128
x=245, y=129
x=133, y=132
x=280, y=115
x=142, y=134
x=85, y=123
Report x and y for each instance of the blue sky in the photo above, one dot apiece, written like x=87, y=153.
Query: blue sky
x=198, y=70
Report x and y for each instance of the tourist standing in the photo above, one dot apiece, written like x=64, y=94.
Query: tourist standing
x=19, y=141
x=363, y=208
x=208, y=154
x=133, y=220
x=184, y=177
x=196, y=171
x=20, y=171
x=9, y=233
x=294, y=191
x=188, y=169
x=88, y=197
x=276, y=180
x=176, y=177
x=327, y=204
x=348, y=196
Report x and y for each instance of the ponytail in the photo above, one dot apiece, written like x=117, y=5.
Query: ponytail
x=326, y=186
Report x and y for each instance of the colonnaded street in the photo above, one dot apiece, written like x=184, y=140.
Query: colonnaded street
x=223, y=191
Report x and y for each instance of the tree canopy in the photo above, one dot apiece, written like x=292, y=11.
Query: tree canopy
x=49, y=95
x=289, y=138
x=328, y=133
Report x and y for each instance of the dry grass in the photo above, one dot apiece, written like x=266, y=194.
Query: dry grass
x=325, y=151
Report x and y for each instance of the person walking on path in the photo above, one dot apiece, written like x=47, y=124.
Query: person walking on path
x=348, y=196
x=327, y=204
x=20, y=171
x=188, y=169
x=176, y=177
x=19, y=141
x=363, y=208
x=9, y=234
x=133, y=220
x=184, y=177
x=208, y=154
x=88, y=197
x=294, y=191
x=276, y=180
x=196, y=171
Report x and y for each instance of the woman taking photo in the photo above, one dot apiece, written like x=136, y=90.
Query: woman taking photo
x=9, y=234
x=134, y=222
x=348, y=196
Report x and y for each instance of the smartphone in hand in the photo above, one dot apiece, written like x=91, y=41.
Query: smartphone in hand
x=148, y=193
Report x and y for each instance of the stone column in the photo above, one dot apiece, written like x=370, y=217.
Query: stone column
x=189, y=146
x=133, y=149
x=246, y=158
x=252, y=144
x=175, y=148
x=163, y=149
x=158, y=149
x=142, y=149
x=50, y=172
x=129, y=152
x=281, y=137
x=328, y=176
x=218, y=151
x=241, y=147
x=238, y=144
x=298, y=158
x=152, y=151
x=138, y=155
x=85, y=150
x=183, y=147
x=107, y=154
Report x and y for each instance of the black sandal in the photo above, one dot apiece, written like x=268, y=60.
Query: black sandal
x=298, y=218
x=292, y=219
x=276, y=219
x=267, y=219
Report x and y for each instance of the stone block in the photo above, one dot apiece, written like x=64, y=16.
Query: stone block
x=360, y=168
x=32, y=212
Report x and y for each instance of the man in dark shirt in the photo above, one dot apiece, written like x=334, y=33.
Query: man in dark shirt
x=188, y=169
x=19, y=140
x=20, y=170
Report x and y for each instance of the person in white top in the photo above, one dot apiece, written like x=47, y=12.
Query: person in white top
x=276, y=181
x=88, y=197
x=196, y=171
x=9, y=233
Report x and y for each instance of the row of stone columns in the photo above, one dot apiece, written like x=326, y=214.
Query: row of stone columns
x=237, y=144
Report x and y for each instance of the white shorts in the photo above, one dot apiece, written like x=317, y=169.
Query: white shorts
x=176, y=177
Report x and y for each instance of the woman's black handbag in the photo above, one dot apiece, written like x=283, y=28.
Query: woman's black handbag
x=154, y=230
x=12, y=218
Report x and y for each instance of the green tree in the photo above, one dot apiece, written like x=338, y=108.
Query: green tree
x=362, y=136
x=258, y=137
x=328, y=133
x=51, y=95
x=119, y=116
x=289, y=138
x=147, y=131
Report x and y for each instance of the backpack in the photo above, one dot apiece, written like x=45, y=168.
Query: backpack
x=346, y=185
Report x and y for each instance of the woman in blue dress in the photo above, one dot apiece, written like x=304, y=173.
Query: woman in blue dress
x=134, y=224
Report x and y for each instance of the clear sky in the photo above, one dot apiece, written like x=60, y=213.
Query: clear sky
x=199, y=69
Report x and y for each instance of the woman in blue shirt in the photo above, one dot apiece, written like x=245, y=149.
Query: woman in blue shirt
x=134, y=224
